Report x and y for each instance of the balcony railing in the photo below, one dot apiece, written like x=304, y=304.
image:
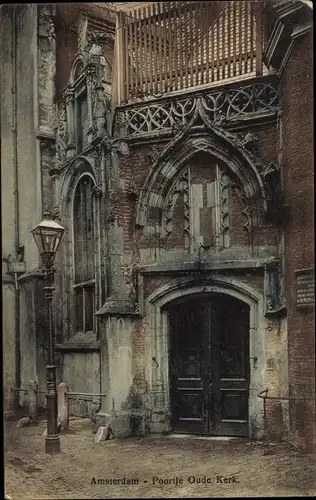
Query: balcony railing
x=172, y=46
x=230, y=104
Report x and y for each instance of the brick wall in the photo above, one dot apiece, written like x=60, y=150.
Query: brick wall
x=297, y=98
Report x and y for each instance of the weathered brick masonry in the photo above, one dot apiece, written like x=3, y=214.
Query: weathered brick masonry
x=298, y=172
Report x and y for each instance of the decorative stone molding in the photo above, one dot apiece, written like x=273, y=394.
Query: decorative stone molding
x=46, y=26
x=47, y=145
x=220, y=107
x=62, y=136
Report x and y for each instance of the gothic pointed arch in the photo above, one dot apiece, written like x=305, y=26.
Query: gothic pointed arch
x=77, y=167
x=78, y=66
x=218, y=143
x=79, y=206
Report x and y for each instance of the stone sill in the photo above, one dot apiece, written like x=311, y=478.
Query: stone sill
x=81, y=342
x=114, y=306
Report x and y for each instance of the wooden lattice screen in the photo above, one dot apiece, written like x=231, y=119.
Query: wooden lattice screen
x=169, y=46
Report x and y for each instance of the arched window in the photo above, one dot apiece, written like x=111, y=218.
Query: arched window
x=78, y=70
x=84, y=275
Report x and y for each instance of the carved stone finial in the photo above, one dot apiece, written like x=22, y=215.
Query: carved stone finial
x=249, y=141
x=272, y=181
x=97, y=191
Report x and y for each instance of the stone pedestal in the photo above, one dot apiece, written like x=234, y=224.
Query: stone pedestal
x=116, y=353
x=119, y=422
x=63, y=413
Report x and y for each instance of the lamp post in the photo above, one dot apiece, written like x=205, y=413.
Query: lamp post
x=47, y=235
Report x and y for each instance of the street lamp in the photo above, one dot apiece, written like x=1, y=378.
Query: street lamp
x=47, y=235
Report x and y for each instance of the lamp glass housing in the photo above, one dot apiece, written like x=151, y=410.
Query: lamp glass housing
x=47, y=235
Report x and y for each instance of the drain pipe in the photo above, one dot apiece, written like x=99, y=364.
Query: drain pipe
x=16, y=205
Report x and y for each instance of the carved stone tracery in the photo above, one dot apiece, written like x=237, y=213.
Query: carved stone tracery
x=180, y=187
x=246, y=211
x=221, y=107
x=224, y=186
x=61, y=136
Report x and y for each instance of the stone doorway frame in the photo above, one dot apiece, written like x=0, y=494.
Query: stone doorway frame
x=156, y=329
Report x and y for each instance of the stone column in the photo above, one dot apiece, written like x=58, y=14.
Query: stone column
x=71, y=146
x=116, y=320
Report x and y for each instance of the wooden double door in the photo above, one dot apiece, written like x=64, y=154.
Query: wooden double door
x=209, y=365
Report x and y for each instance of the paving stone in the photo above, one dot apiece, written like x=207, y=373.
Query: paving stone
x=69, y=475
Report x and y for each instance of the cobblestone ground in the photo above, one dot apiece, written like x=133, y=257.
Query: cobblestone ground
x=254, y=469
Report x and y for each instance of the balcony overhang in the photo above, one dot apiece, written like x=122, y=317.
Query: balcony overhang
x=233, y=105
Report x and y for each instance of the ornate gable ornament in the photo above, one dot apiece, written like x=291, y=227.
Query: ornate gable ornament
x=90, y=84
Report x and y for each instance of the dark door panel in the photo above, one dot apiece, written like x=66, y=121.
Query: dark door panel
x=189, y=366
x=233, y=395
x=209, y=365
